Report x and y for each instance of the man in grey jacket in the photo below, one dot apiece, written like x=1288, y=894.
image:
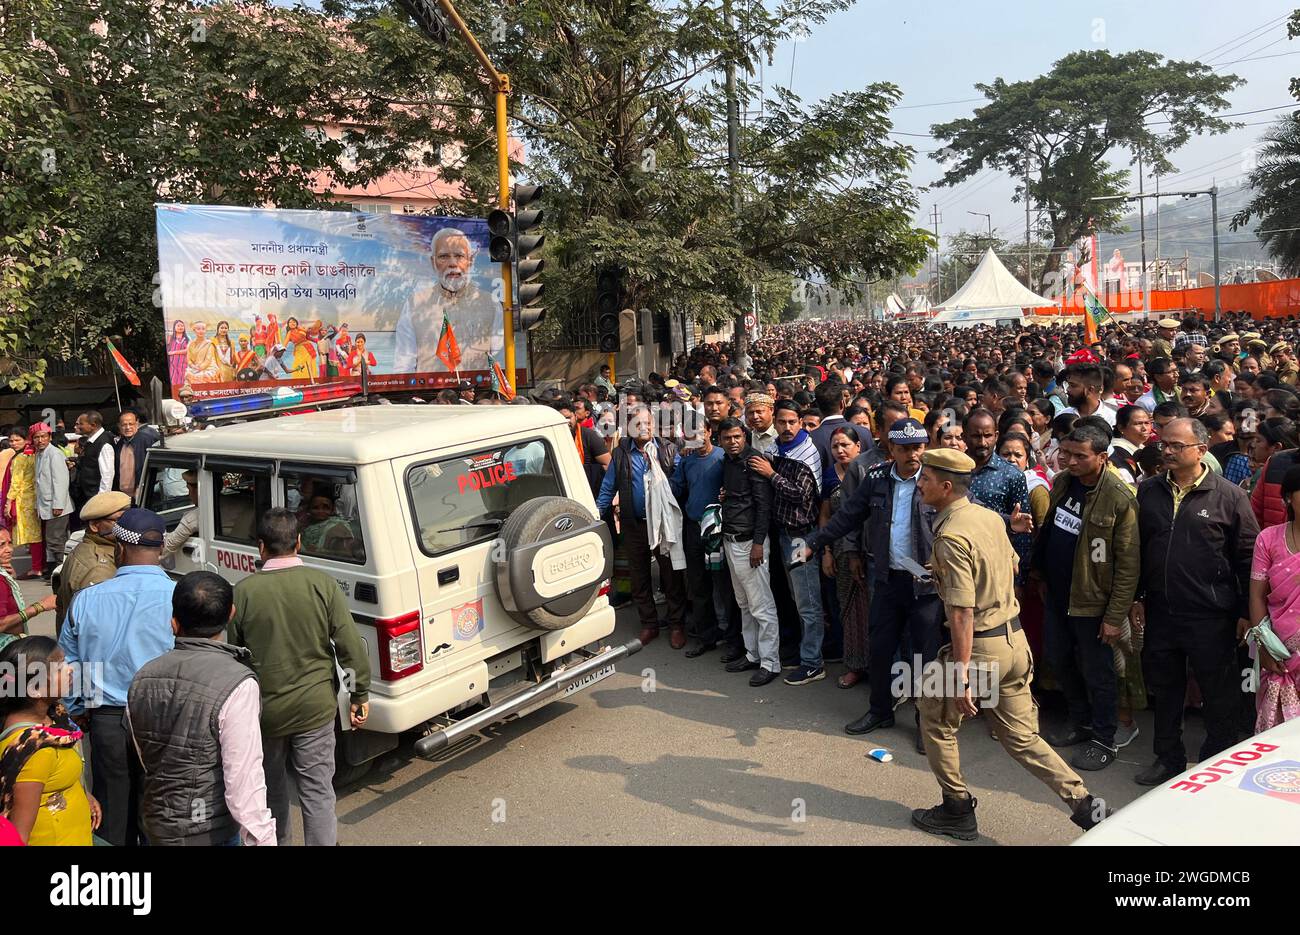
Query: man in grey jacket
x=53, y=498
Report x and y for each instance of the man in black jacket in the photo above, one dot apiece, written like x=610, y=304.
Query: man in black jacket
x=1198, y=537
x=746, y=516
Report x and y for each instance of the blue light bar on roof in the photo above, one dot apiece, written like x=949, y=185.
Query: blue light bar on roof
x=281, y=398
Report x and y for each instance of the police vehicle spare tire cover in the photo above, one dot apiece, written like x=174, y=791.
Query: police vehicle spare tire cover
x=553, y=559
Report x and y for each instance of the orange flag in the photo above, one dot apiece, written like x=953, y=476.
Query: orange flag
x=448, y=350
x=499, y=381
x=127, y=370
x=1089, y=329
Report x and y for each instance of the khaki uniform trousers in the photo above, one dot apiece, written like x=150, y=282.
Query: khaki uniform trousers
x=1015, y=717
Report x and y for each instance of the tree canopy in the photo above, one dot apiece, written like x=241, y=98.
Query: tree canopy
x=1062, y=130
x=618, y=104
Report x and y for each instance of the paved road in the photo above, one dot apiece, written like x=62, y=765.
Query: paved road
x=701, y=758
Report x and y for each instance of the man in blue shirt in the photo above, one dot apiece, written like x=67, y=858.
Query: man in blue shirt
x=998, y=484
x=896, y=529
x=696, y=481
x=626, y=476
x=113, y=629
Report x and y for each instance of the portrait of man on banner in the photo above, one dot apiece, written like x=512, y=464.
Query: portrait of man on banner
x=454, y=296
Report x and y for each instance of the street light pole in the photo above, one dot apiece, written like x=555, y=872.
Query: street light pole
x=987, y=217
x=1214, y=223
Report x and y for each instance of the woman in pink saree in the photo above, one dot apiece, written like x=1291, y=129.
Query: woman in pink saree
x=1275, y=592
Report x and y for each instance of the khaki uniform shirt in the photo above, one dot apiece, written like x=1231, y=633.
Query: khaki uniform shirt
x=90, y=563
x=1161, y=348
x=1287, y=374
x=974, y=564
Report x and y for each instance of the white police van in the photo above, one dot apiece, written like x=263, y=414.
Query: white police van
x=1248, y=794
x=465, y=538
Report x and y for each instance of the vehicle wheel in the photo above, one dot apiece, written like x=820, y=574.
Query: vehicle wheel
x=347, y=774
x=554, y=556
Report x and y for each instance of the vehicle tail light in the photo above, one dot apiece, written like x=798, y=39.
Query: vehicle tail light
x=604, y=587
x=400, y=651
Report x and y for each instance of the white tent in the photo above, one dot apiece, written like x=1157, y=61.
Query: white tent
x=991, y=296
x=894, y=306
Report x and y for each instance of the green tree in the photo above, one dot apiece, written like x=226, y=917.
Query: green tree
x=1061, y=131
x=122, y=105
x=618, y=105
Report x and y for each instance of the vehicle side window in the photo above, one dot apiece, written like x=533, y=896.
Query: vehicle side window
x=328, y=516
x=166, y=492
x=239, y=500
x=462, y=500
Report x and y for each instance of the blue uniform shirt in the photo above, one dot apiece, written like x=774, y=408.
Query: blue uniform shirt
x=900, y=533
x=113, y=629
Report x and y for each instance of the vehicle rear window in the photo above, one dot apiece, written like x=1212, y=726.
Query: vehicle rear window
x=329, y=518
x=462, y=500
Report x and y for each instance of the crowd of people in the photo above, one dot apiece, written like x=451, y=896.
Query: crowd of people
x=200, y=701
x=881, y=497
x=795, y=504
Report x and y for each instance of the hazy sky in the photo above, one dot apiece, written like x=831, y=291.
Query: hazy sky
x=936, y=51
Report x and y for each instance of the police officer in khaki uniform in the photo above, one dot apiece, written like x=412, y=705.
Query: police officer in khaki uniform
x=92, y=561
x=1163, y=345
x=974, y=569
x=1284, y=363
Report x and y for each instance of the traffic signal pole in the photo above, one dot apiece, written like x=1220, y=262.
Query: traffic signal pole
x=501, y=89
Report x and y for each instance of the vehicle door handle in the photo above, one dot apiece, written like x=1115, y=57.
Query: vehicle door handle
x=448, y=575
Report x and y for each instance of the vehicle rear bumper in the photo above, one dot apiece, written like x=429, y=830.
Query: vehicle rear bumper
x=392, y=714
x=529, y=700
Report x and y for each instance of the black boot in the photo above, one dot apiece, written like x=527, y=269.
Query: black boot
x=1090, y=812
x=955, y=817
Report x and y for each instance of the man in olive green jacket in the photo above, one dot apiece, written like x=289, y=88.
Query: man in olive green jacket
x=296, y=623
x=1086, y=559
x=95, y=557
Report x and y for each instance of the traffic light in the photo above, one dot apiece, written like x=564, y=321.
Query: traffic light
x=428, y=18
x=509, y=241
x=609, y=303
x=528, y=267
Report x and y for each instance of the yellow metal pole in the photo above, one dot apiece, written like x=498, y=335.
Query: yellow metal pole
x=503, y=173
x=501, y=87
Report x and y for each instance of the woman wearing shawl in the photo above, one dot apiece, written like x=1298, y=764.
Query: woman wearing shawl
x=21, y=519
x=1275, y=594
x=41, y=791
x=851, y=581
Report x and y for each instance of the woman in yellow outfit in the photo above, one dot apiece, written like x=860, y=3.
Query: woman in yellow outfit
x=40, y=769
x=20, y=506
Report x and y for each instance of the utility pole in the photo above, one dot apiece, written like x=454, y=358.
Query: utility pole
x=936, y=218
x=1029, y=256
x=1159, y=269
x=1214, y=223
x=733, y=159
x=1142, y=225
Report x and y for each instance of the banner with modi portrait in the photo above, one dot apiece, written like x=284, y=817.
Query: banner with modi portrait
x=257, y=297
